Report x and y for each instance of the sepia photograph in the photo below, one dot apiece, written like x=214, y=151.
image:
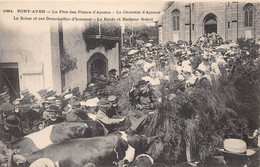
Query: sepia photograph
x=139, y=83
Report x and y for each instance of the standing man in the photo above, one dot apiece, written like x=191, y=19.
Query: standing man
x=30, y=109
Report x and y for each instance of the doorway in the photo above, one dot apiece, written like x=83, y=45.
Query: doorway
x=96, y=65
x=210, y=23
x=9, y=75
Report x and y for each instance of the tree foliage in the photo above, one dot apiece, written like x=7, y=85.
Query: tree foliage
x=67, y=62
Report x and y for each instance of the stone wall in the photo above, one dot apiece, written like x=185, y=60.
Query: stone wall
x=30, y=47
x=225, y=12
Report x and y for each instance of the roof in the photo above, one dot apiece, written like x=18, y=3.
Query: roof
x=167, y=5
x=103, y=37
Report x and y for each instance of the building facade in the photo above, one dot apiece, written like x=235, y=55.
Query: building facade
x=30, y=56
x=231, y=20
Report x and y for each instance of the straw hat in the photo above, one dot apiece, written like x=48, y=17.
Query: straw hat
x=237, y=147
x=53, y=108
x=24, y=91
x=50, y=100
x=112, y=98
x=16, y=102
x=51, y=93
x=43, y=162
x=76, y=105
x=69, y=96
x=3, y=95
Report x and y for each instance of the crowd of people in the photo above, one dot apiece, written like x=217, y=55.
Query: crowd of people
x=207, y=59
x=28, y=114
x=200, y=64
x=204, y=64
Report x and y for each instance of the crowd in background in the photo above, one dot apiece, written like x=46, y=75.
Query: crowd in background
x=200, y=64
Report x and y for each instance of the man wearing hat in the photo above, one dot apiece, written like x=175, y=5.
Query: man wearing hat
x=68, y=100
x=94, y=78
x=113, y=78
x=138, y=92
x=102, y=115
x=113, y=112
x=75, y=91
x=8, y=120
x=29, y=101
x=5, y=97
x=59, y=103
x=6, y=109
x=27, y=96
x=102, y=85
x=17, y=108
x=235, y=152
x=43, y=93
x=52, y=115
x=48, y=102
x=12, y=125
x=75, y=113
x=102, y=78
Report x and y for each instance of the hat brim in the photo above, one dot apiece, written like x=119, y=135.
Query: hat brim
x=103, y=105
x=12, y=125
x=249, y=152
x=143, y=83
x=69, y=98
x=50, y=102
x=23, y=92
x=43, y=162
x=76, y=107
x=52, y=93
x=51, y=110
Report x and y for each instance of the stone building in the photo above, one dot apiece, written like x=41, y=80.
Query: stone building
x=231, y=20
x=30, y=55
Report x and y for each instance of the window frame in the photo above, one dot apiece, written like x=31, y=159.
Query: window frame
x=249, y=14
x=176, y=20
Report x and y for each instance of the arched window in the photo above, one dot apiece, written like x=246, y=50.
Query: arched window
x=176, y=20
x=249, y=9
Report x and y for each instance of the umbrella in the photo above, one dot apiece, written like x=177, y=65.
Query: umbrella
x=149, y=45
x=131, y=52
